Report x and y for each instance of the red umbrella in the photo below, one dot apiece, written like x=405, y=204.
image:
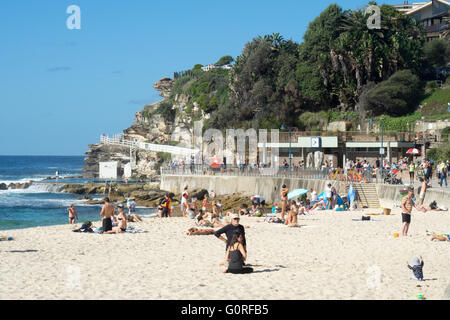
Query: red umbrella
x=413, y=151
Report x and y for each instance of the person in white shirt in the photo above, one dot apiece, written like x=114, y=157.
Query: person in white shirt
x=313, y=195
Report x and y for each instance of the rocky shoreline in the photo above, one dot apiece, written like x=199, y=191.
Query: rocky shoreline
x=148, y=195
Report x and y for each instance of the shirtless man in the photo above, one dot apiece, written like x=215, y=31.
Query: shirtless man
x=107, y=215
x=73, y=214
x=122, y=227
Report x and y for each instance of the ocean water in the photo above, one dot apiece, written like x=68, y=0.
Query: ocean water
x=43, y=204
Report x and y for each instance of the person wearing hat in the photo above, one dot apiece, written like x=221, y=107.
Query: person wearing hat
x=417, y=268
x=230, y=230
x=407, y=205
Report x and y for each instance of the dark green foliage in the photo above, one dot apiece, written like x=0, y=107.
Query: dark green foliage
x=224, y=60
x=340, y=62
x=166, y=111
x=437, y=52
x=439, y=154
x=396, y=96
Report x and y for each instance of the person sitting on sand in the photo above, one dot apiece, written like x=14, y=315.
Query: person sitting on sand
x=192, y=210
x=216, y=222
x=122, y=224
x=321, y=205
x=107, y=215
x=73, y=214
x=200, y=232
x=417, y=268
x=134, y=218
x=292, y=215
x=236, y=255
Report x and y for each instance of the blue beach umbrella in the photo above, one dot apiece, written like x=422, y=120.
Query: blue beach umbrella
x=296, y=193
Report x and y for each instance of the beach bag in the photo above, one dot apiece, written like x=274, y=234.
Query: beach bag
x=363, y=218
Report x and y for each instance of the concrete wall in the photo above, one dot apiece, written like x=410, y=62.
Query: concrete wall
x=388, y=192
x=268, y=187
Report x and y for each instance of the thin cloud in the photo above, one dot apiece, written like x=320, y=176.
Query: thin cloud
x=57, y=69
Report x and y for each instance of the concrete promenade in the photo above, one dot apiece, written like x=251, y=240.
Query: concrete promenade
x=269, y=187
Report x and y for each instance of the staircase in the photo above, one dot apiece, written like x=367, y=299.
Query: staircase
x=366, y=195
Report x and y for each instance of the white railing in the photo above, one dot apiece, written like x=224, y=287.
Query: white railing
x=118, y=139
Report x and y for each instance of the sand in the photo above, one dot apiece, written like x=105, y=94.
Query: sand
x=328, y=257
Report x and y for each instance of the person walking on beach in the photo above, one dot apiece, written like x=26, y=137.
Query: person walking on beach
x=284, y=200
x=443, y=171
x=407, y=205
x=107, y=215
x=236, y=256
x=412, y=168
x=230, y=230
x=73, y=214
x=185, y=201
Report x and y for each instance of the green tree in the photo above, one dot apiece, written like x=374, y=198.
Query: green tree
x=224, y=61
x=396, y=96
x=437, y=52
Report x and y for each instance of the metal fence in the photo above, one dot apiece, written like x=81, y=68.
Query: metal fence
x=335, y=174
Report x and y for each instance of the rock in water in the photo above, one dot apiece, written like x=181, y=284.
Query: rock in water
x=3, y=186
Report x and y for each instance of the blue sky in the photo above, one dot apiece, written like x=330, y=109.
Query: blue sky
x=60, y=89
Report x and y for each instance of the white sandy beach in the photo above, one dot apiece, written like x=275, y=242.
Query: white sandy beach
x=328, y=257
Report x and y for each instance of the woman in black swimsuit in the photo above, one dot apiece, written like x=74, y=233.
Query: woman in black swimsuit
x=236, y=256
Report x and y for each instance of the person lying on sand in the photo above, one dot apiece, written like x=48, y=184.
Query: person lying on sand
x=440, y=237
x=434, y=207
x=200, y=232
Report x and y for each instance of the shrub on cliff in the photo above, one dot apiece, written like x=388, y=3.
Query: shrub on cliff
x=396, y=96
x=166, y=111
x=224, y=61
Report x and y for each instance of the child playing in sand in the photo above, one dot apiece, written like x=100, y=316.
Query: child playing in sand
x=417, y=266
